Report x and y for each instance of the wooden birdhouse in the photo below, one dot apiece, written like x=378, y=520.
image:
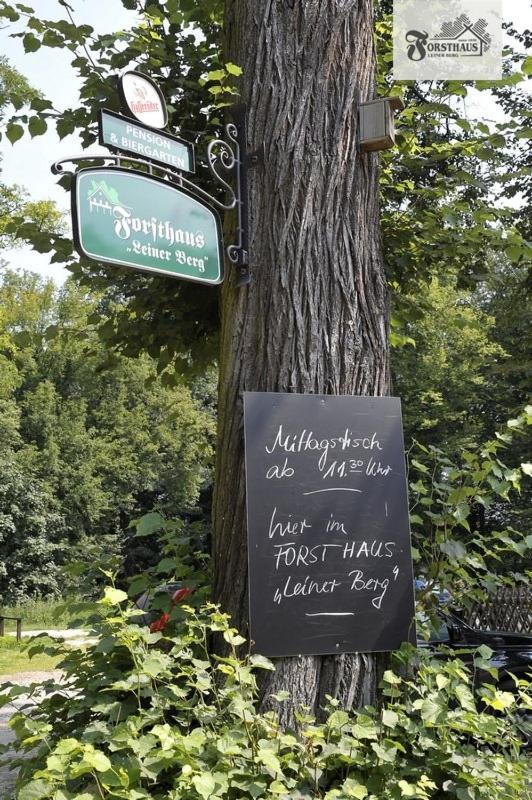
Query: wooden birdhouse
x=377, y=124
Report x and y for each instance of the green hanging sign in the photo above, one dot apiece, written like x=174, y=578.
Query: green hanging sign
x=134, y=220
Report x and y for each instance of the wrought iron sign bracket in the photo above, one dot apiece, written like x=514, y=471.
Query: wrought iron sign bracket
x=233, y=156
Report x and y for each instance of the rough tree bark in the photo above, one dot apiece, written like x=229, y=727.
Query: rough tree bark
x=315, y=317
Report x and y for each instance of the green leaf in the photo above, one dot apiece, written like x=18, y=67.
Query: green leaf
x=338, y=719
x=204, y=784
x=53, y=39
x=66, y=746
x=269, y=760
x=40, y=104
x=23, y=339
x=430, y=711
x=97, y=760
x=461, y=515
x=281, y=696
x=148, y=524
x=409, y=789
x=390, y=677
x=485, y=651
x=387, y=754
x=35, y=790
x=234, y=638
x=352, y=788
x=14, y=132
x=37, y=126
x=65, y=125
x=82, y=796
x=233, y=69
x=261, y=662
x=390, y=718
x=153, y=665
x=454, y=549
x=527, y=469
x=31, y=43
x=113, y=596
x=51, y=332
x=527, y=66
x=442, y=681
x=216, y=75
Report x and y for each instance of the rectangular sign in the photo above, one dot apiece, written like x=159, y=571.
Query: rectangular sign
x=134, y=220
x=443, y=40
x=330, y=565
x=122, y=133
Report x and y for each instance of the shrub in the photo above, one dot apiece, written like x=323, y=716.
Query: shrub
x=143, y=715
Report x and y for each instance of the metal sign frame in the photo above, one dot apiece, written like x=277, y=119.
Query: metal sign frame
x=148, y=129
x=226, y=158
x=150, y=270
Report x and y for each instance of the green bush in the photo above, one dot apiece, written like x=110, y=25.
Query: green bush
x=158, y=716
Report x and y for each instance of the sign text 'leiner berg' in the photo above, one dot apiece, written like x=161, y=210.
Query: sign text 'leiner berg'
x=134, y=220
x=329, y=539
x=121, y=133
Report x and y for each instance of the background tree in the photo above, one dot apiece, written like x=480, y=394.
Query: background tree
x=87, y=445
x=15, y=91
x=445, y=375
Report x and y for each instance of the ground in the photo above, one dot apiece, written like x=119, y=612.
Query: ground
x=7, y=776
x=17, y=667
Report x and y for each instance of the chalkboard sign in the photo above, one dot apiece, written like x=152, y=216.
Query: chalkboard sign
x=330, y=565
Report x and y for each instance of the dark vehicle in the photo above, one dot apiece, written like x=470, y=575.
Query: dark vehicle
x=512, y=652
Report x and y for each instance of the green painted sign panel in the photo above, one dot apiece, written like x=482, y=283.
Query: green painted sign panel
x=129, y=136
x=135, y=220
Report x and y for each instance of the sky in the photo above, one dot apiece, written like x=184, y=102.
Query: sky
x=28, y=162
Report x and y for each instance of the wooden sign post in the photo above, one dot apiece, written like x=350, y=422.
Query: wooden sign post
x=330, y=565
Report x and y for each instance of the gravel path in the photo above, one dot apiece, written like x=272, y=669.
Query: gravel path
x=7, y=776
x=71, y=635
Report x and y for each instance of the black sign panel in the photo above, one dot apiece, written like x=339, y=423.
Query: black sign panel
x=330, y=566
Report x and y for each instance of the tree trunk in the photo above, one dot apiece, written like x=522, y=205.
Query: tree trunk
x=315, y=317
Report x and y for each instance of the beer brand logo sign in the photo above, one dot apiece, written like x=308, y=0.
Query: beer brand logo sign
x=133, y=220
x=143, y=99
x=140, y=102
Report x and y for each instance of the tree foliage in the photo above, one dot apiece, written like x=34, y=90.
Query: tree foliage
x=438, y=185
x=444, y=377
x=41, y=215
x=152, y=715
x=176, y=320
x=98, y=445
